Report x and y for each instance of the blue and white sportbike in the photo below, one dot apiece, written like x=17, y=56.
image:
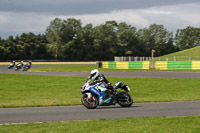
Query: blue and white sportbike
x=97, y=95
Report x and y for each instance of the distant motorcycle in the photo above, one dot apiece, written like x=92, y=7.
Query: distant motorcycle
x=26, y=67
x=98, y=95
x=12, y=64
x=18, y=66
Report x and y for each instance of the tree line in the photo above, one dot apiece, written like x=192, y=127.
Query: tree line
x=69, y=40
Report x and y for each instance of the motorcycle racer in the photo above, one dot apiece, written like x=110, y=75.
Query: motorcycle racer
x=29, y=64
x=19, y=66
x=101, y=92
x=12, y=64
x=20, y=63
x=98, y=77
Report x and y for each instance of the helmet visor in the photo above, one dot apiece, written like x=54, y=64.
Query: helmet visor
x=93, y=74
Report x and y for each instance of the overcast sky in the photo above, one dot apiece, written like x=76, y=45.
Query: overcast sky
x=19, y=16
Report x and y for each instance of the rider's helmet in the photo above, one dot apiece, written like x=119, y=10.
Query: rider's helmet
x=94, y=74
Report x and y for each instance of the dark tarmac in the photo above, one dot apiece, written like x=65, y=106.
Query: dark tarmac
x=70, y=113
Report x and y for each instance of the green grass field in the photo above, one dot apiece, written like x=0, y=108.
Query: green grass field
x=36, y=90
x=188, y=52
x=189, y=124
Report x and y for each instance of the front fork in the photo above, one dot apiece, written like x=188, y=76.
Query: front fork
x=89, y=95
x=90, y=98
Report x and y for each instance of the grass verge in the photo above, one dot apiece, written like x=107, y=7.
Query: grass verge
x=189, y=124
x=37, y=90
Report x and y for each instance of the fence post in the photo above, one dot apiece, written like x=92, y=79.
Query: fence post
x=152, y=64
x=99, y=64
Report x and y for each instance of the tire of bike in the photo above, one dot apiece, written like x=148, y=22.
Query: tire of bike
x=24, y=69
x=127, y=103
x=92, y=104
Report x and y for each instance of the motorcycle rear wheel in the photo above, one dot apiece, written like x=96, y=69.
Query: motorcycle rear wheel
x=90, y=104
x=128, y=102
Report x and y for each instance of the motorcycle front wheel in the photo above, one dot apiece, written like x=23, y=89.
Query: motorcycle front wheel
x=89, y=103
x=127, y=102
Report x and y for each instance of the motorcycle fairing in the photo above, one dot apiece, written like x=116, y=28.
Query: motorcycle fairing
x=100, y=91
x=118, y=84
x=95, y=90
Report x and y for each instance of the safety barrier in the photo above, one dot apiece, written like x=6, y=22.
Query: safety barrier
x=195, y=64
x=184, y=65
x=126, y=65
x=159, y=65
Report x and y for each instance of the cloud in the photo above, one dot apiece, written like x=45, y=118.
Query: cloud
x=17, y=23
x=129, y=16
x=18, y=16
x=2, y=19
x=189, y=14
x=157, y=12
x=80, y=7
x=173, y=17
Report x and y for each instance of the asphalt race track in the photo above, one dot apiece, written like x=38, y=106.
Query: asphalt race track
x=68, y=113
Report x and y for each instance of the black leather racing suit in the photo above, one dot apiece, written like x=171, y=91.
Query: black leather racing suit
x=101, y=78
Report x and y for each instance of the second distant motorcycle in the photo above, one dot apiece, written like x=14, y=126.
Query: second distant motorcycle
x=19, y=66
